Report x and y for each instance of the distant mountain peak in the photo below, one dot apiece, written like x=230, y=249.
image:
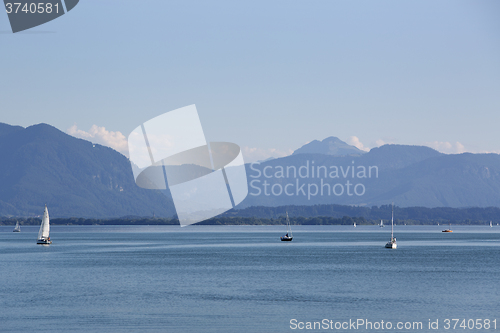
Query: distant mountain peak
x=333, y=139
x=329, y=146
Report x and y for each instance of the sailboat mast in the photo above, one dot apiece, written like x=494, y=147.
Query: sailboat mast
x=392, y=222
x=288, y=227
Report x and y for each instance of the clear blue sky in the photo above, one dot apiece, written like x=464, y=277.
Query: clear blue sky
x=265, y=74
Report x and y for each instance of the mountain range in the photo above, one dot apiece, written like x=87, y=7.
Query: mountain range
x=406, y=175
x=75, y=178
x=42, y=165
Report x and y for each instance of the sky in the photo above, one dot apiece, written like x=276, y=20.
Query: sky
x=269, y=76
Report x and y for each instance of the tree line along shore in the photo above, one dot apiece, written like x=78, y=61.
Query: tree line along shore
x=318, y=220
x=331, y=214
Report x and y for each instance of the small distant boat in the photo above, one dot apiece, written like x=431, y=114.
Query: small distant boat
x=288, y=236
x=491, y=225
x=43, y=233
x=17, y=228
x=381, y=224
x=448, y=230
x=392, y=244
x=354, y=224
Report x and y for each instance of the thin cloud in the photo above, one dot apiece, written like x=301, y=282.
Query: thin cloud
x=386, y=140
x=447, y=147
x=100, y=135
x=354, y=141
x=489, y=152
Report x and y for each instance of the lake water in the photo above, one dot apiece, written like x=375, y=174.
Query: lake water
x=243, y=279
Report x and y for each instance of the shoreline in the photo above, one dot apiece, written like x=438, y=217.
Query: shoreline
x=249, y=221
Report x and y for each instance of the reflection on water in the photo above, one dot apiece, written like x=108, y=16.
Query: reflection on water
x=242, y=278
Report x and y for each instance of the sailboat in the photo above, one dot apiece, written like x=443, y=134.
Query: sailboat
x=43, y=233
x=392, y=243
x=491, y=225
x=448, y=230
x=288, y=236
x=17, y=228
x=354, y=224
x=381, y=224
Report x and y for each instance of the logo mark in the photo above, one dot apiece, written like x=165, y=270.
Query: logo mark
x=170, y=151
x=25, y=14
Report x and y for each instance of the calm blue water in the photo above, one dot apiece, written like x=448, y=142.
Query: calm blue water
x=243, y=279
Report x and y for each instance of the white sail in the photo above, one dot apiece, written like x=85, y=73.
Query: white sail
x=288, y=236
x=45, y=226
x=40, y=231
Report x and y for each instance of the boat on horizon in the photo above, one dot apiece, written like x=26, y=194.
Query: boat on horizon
x=392, y=244
x=288, y=236
x=491, y=225
x=381, y=224
x=354, y=225
x=17, y=227
x=448, y=230
x=43, y=233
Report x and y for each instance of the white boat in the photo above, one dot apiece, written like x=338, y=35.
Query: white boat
x=392, y=244
x=288, y=236
x=17, y=228
x=354, y=224
x=491, y=225
x=381, y=224
x=43, y=233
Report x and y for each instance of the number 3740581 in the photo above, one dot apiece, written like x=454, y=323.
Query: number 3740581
x=470, y=324
x=32, y=8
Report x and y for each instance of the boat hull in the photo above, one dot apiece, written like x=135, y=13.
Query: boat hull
x=447, y=230
x=44, y=241
x=16, y=230
x=286, y=239
x=391, y=245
